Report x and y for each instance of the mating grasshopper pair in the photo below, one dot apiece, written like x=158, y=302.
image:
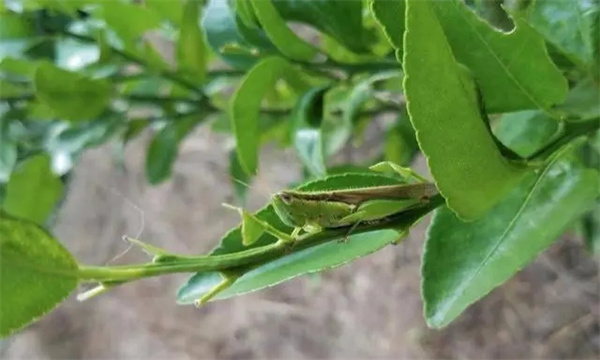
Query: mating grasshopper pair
x=313, y=211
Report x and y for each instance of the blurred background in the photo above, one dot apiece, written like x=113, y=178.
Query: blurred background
x=370, y=308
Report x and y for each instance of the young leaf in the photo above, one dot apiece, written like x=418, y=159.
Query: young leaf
x=37, y=273
x=468, y=168
x=33, y=190
x=464, y=261
x=245, y=105
x=239, y=178
x=501, y=62
x=71, y=95
x=191, y=52
x=286, y=41
x=308, y=139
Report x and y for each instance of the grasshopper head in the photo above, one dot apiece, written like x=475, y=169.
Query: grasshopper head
x=289, y=209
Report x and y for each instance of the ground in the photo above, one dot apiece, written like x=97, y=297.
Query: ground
x=370, y=308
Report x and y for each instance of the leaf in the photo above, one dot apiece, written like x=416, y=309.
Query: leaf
x=341, y=19
x=501, y=62
x=164, y=147
x=129, y=28
x=239, y=179
x=582, y=100
x=568, y=25
x=170, y=10
x=33, y=190
x=8, y=152
x=464, y=261
x=390, y=16
x=15, y=26
x=221, y=29
x=308, y=140
x=363, y=91
x=245, y=105
x=286, y=41
x=442, y=103
x=37, y=273
x=191, y=52
x=71, y=95
x=318, y=258
x=526, y=131
x=312, y=259
x=400, y=142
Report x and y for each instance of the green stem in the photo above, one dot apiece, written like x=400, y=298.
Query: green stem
x=569, y=131
x=244, y=259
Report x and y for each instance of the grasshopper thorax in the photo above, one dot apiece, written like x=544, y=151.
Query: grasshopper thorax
x=295, y=210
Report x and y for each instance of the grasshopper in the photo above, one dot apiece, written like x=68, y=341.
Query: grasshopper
x=313, y=211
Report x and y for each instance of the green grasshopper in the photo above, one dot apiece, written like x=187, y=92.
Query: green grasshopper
x=313, y=211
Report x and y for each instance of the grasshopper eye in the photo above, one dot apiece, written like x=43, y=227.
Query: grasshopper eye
x=286, y=198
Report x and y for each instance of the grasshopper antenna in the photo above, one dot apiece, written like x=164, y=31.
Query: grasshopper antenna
x=139, y=232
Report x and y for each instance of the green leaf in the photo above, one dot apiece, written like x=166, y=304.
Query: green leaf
x=468, y=168
x=363, y=91
x=71, y=95
x=390, y=15
x=313, y=259
x=568, y=25
x=318, y=258
x=239, y=178
x=245, y=105
x=221, y=29
x=341, y=19
x=526, y=131
x=464, y=261
x=308, y=139
x=582, y=100
x=286, y=41
x=170, y=10
x=15, y=26
x=131, y=27
x=400, y=142
x=37, y=273
x=501, y=62
x=33, y=190
x=164, y=147
x=191, y=52
x=8, y=152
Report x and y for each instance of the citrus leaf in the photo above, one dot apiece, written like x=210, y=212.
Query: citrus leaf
x=191, y=52
x=245, y=105
x=501, y=62
x=464, y=261
x=37, y=273
x=468, y=168
x=221, y=29
x=318, y=258
x=286, y=41
x=308, y=141
x=390, y=15
x=8, y=152
x=33, y=190
x=568, y=25
x=71, y=95
x=526, y=131
x=341, y=19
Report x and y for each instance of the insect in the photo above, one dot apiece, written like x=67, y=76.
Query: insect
x=313, y=211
